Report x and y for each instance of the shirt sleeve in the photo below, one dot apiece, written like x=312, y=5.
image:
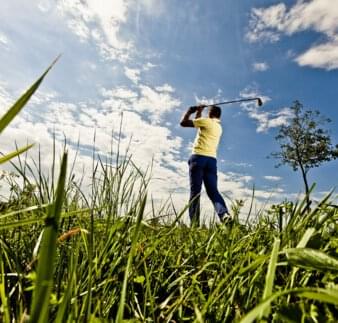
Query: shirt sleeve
x=201, y=122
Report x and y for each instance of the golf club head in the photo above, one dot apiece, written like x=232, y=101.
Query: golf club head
x=260, y=102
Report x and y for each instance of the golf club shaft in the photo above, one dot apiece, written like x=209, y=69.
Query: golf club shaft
x=234, y=101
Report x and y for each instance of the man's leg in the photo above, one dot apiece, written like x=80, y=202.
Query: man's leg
x=196, y=178
x=210, y=183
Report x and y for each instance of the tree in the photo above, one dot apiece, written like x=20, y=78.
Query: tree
x=303, y=143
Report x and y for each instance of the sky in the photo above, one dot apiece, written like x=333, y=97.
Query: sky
x=149, y=60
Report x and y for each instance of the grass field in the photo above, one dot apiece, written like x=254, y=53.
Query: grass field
x=70, y=256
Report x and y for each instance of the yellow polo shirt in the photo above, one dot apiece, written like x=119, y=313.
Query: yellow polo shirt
x=208, y=136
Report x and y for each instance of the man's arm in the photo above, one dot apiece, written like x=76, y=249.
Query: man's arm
x=185, y=120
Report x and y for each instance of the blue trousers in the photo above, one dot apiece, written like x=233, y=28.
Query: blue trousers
x=204, y=169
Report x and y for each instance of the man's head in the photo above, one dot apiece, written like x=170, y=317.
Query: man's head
x=215, y=112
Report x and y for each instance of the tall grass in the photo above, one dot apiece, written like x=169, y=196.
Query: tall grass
x=67, y=255
x=154, y=271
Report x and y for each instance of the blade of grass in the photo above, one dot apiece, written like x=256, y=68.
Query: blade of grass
x=61, y=313
x=45, y=269
x=270, y=275
x=119, y=316
x=301, y=244
x=28, y=209
x=21, y=102
x=321, y=294
x=4, y=312
x=311, y=259
x=21, y=223
x=13, y=154
x=306, y=237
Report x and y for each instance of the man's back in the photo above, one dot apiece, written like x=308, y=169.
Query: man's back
x=208, y=136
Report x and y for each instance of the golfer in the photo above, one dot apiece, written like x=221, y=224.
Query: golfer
x=203, y=163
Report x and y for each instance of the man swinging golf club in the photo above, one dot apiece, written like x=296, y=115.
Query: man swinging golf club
x=203, y=163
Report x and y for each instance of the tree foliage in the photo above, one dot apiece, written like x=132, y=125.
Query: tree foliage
x=304, y=143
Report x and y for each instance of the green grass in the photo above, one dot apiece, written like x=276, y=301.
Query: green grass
x=71, y=256
x=114, y=262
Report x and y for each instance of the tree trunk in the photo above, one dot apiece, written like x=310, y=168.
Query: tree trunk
x=307, y=191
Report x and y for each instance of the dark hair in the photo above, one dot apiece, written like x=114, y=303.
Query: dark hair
x=215, y=112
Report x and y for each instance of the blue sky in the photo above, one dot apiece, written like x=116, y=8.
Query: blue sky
x=152, y=59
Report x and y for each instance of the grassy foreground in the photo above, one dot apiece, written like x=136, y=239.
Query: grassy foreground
x=69, y=257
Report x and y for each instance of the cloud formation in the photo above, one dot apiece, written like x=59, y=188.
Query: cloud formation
x=265, y=120
x=148, y=143
x=321, y=56
x=260, y=66
x=99, y=21
x=269, y=24
x=3, y=40
x=132, y=74
x=5, y=98
x=272, y=178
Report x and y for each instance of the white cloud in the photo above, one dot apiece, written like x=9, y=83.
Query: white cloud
x=133, y=74
x=236, y=186
x=265, y=120
x=3, y=40
x=260, y=66
x=5, y=98
x=148, y=66
x=290, y=53
x=142, y=99
x=147, y=142
x=272, y=178
x=155, y=102
x=265, y=23
x=119, y=93
x=43, y=97
x=216, y=98
x=165, y=88
x=44, y=5
x=240, y=177
x=270, y=196
x=80, y=29
x=99, y=20
x=252, y=92
x=236, y=164
x=321, y=56
x=319, y=15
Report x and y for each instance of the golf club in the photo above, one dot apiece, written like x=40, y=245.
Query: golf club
x=259, y=101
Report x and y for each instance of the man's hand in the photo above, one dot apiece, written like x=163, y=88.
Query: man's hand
x=199, y=110
x=192, y=109
x=185, y=120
